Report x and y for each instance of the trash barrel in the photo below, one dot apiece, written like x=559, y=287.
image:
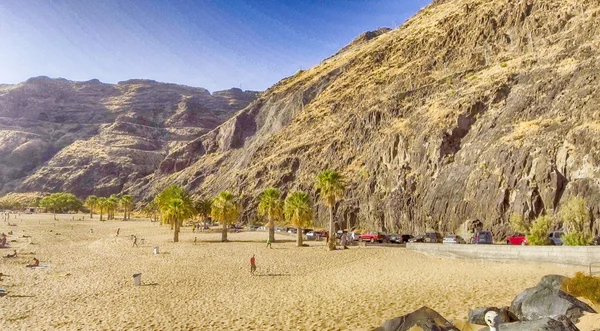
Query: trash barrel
x=156, y=250
x=137, y=279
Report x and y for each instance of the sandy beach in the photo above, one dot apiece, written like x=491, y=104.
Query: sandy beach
x=207, y=285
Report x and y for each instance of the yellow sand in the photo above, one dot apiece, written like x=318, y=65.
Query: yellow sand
x=207, y=285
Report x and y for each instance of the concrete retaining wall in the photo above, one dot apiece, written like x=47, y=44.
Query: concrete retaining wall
x=566, y=255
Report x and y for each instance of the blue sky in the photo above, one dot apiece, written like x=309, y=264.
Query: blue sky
x=210, y=44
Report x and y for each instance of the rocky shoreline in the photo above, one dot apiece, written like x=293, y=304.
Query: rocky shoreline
x=544, y=307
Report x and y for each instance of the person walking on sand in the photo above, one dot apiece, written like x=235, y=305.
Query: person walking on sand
x=252, y=265
x=269, y=242
x=134, y=242
x=344, y=240
x=118, y=230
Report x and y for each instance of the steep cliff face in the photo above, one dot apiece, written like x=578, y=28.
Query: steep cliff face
x=90, y=137
x=471, y=109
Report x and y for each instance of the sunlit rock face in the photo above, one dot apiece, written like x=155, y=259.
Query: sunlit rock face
x=90, y=137
x=469, y=110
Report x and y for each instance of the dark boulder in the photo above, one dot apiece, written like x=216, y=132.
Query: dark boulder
x=424, y=317
x=476, y=316
x=547, y=300
x=561, y=323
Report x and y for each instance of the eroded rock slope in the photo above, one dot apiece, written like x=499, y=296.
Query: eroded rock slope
x=90, y=137
x=471, y=109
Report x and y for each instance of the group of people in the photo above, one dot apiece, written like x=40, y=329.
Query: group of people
x=200, y=227
x=36, y=262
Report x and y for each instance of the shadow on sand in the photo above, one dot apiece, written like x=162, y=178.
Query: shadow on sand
x=246, y=241
x=150, y=284
x=272, y=275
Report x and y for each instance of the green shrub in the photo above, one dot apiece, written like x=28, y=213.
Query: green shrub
x=582, y=285
x=539, y=231
x=576, y=216
x=577, y=239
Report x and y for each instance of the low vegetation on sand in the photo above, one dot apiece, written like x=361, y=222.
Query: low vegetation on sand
x=582, y=285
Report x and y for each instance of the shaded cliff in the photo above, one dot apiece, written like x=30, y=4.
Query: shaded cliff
x=90, y=137
x=471, y=109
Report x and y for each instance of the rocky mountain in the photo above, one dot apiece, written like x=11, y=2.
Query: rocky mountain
x=90, y=137
x=472, y=109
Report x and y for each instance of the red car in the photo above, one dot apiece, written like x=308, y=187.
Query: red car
x=517, y=239
x=373, y=237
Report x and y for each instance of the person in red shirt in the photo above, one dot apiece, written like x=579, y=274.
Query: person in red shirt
x=252, y=265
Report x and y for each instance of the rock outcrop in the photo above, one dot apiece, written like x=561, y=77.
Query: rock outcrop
x=544, y=324
x=470, y=110
x=90, y=137
x=423, y=318
x=547, y=299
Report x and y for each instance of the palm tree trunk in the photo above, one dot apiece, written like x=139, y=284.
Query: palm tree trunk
x=331, y=242
x=271, y=230
x=299, y=237
x=224, y=232
x=176, y=232
x=54, y=212
x=91, y=213
x=100, y=215
x=172, y=224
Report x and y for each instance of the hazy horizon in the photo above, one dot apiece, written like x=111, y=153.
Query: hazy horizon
x=215, y=45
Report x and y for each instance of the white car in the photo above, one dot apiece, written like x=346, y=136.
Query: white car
x=453, y=239
x=313, y=235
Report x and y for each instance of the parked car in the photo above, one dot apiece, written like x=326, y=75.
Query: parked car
x=395, y=238
x=556, y=237
x=482, y=237
x=418, y=239
x=453, y=239
x=373, y=237
x=316, y=235
x=517, y=239
x=595, y=241
x=292, y=231
x=433, y=237
x=313, y=235
x=400, y=238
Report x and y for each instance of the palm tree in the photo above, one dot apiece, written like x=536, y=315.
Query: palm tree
x=203, y=207
x=160, y=201
x=175, y=205
x=113, y=203
x=102, y=204
x=331, y=184
x=126, y=203
x=270, y=205
x=226, y=210
x=91, y=202
x=299, y=212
